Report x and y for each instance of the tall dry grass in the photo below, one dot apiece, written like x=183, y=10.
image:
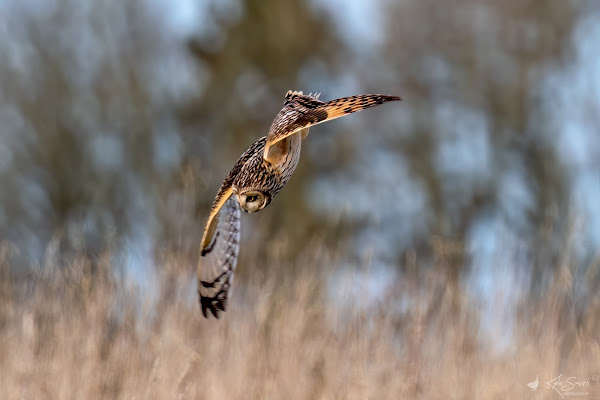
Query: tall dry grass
x=77, y=332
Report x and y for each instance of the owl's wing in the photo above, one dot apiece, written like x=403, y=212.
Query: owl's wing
x=301, y=111
x=219, y=256
x=213, y=219
x=220, y=242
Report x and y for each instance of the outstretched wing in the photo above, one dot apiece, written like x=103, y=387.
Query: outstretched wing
x=219, y=259
x=220, y=242
x=301, y=111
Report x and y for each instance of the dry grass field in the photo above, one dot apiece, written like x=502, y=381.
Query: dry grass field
x=70, y=333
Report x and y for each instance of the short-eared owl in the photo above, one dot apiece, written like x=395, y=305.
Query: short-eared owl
x=255, y=179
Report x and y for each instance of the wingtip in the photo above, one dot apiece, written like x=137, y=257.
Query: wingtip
x=203, y=306
x=211, y=304
x=206, y=306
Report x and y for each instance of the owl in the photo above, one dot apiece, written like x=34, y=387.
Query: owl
x=260, y=173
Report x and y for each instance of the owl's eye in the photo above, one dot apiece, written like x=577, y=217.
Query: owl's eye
x=252, y=201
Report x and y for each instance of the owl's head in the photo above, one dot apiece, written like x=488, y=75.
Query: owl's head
x=253, y=200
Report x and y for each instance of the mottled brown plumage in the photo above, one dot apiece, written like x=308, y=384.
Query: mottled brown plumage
x=259, y=174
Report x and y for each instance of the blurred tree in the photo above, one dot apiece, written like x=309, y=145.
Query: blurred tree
x=120, y=120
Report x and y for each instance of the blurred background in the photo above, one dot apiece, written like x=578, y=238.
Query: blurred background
x=472, y=205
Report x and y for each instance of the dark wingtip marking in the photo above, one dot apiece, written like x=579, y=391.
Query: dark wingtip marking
x=213, y=305
x=391, y=98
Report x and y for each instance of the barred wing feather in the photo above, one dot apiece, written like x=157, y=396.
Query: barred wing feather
x=219, y=259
